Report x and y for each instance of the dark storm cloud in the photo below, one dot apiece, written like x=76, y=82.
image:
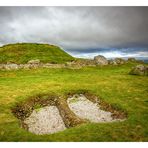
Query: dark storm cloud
x=79, y=30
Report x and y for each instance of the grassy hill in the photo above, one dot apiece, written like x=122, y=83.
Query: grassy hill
x=23, y=52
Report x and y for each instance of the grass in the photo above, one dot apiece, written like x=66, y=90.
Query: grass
x=112, y=83
x=37, y=108
x=23, y=52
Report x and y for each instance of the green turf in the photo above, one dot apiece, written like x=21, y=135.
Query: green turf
x=23, y=52
x=112, y=83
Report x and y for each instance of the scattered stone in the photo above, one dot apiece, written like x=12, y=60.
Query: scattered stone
x=37, y=61
x=139, y=70
x=86, y=109
x=100, y=60
x=47, y=120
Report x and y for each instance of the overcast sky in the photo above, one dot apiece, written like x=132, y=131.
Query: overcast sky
x=81, y=31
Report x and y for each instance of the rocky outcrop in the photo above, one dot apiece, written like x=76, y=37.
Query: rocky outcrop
x=100, y=60
x=139, y=70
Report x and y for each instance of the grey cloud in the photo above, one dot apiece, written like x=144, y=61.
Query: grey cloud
x=82, y=29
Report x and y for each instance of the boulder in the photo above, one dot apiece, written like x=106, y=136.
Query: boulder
x=139, y=70
x=100, y=60
x=37, y=61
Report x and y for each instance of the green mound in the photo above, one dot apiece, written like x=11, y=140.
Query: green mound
x=23, y=52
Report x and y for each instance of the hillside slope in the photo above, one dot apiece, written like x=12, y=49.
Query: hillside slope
x=23, y=52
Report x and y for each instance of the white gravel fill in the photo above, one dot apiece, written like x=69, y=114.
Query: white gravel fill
x=45, y=121
x=86, y=109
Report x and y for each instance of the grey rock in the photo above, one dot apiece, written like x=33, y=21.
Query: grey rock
x=139, y=70
x=100, y=60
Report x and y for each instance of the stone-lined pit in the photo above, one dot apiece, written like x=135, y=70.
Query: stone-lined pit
x=47, y=114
